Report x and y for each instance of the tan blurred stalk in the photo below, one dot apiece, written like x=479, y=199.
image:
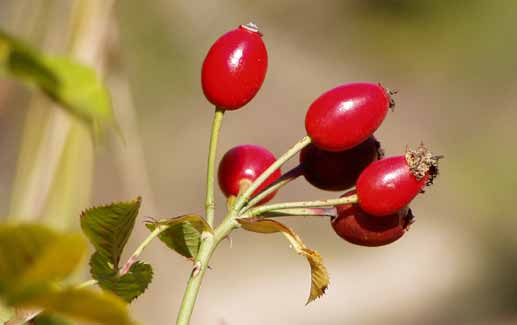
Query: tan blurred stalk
x=55, y=166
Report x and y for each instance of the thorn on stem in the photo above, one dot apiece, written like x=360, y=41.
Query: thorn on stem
x=196, y=269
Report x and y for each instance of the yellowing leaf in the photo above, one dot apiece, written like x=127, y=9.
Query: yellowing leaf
x=33, y=258
x=183, y=233
x=97, y=307
x=45, y=319
x=58, y=261
x=319, y=275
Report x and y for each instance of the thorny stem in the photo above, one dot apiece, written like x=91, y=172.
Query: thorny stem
x=303, y=204
x=210, y=241
x=242, y=199
x=208, y=246
x=210, y=202
x=280, y=182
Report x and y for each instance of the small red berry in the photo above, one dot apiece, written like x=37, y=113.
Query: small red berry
x=347, y=115
x=234, y=68
x=358, y=227
x=390, y=184
x=338, y=171
x=245, y=163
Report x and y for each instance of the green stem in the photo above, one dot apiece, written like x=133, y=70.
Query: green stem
x=242, y=199
x=302, y=204
x=208, y=246
x=280, y=182
x=210, y=202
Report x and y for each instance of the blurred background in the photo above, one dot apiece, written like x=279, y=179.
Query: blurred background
x=454, y=63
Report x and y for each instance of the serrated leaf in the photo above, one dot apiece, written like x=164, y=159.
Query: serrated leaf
x=127, y=286
x=75, y=86
x=33, y=258
x=319, y=274
x=97, y=307
x=183, y=233
x=108, y=228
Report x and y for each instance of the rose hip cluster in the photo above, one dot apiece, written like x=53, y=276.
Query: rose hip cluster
x=342, y=153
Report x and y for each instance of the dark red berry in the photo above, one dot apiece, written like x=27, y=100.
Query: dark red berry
x=338, y=171
x=358, y=227
x=347, y=115
x=390, y=184
x=245, y=163
x=234, y=68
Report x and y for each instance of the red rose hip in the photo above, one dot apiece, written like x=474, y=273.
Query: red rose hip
x=338, y=171
x=390, y=184
x=245, y=163
x=358, y=227
x=234, y=68
x=347, y=115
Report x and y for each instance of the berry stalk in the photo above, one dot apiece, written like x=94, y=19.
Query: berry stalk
x=301, y=212
x=242, y=199
x=257, y=211
x=280, y=182
x=212, y=149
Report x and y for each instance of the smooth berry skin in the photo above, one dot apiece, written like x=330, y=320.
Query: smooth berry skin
x=387, y=186
x=347, y=115
x=245, y=162
x=234, y=68
x=358, y=227
x=338, y=171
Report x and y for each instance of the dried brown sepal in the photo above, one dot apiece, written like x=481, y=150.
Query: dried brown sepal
x=380, y=150
x=422, y=162
x=390, y=94
x=409, y=218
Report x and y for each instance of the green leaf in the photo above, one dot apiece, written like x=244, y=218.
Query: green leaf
x=74, y=86
x=319, y=275
x=98, y=307
x=183, y=233
x=33, y=257
x=108, y=228
x=131, y=284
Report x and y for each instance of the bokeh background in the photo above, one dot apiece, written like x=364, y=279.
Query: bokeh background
x=454, y=63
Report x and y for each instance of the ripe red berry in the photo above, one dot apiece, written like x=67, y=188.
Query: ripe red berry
x=234, y=68
x=245, y=163
x=390, y=184
x=338, y=171
x=358, y=227
x=347, y=115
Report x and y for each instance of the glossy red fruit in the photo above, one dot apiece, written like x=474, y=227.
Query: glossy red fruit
x=338, y=171
x=358, y=227
x=234, y=68
x=347, y=115
x=245, y=163
x=390, y=184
